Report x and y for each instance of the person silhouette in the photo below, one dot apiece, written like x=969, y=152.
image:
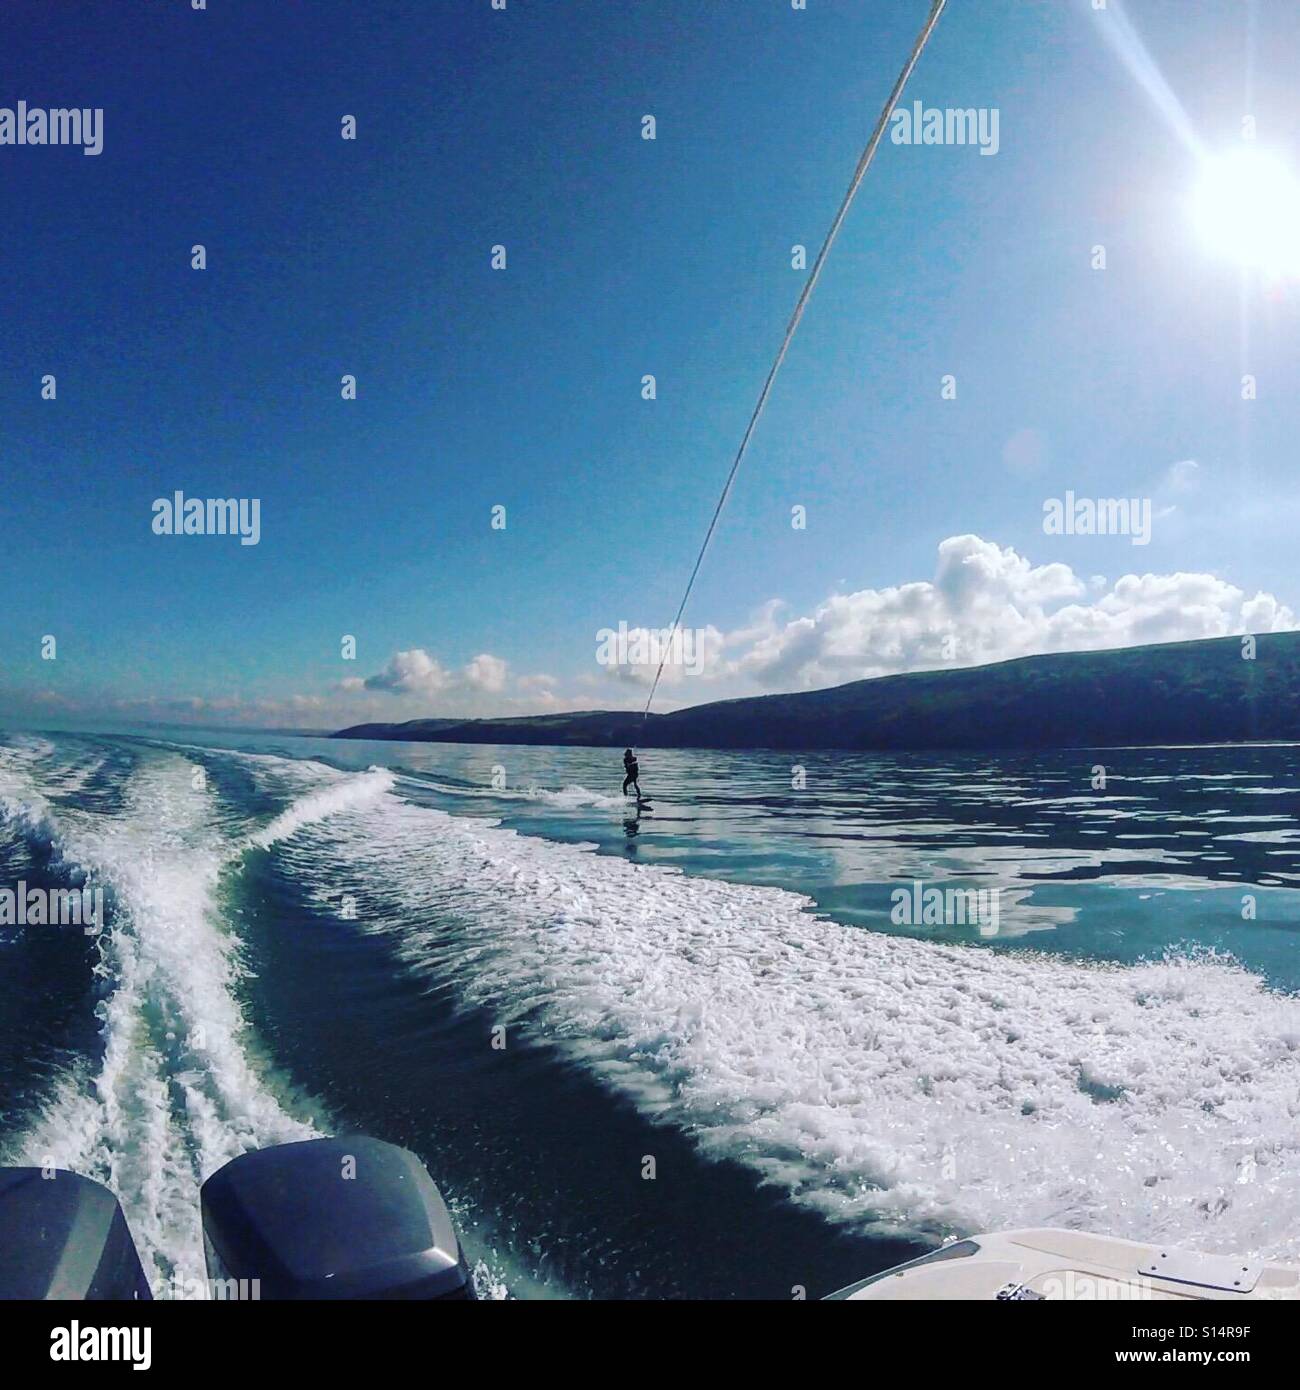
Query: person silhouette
x=630, y=767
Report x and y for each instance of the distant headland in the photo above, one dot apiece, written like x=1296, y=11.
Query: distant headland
x=1222, y=690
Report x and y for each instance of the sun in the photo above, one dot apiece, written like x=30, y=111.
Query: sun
x=1246, y=208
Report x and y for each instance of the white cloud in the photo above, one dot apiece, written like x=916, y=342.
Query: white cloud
x=486, y=672
x=985, y=602
x=413, y=672
x=634, y=655
x=988, y=603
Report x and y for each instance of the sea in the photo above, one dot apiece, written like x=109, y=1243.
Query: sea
x=745, y=1042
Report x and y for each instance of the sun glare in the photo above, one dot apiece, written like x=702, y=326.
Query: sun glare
x=1247, y=208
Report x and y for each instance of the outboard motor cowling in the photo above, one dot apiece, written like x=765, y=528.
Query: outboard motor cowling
x=63, y=1236
x=332, y=1218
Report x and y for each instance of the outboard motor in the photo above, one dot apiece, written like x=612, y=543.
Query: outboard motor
x=331, y=1218
x=63, y=1236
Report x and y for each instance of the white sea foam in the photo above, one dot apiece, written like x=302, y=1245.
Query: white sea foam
x=888, y=1082
x=571, y=798
x=32, y=748
x=69, y=777
x=175, y=1096
x=343, y=794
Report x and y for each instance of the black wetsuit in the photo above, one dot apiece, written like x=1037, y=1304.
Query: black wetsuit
x=629, y=766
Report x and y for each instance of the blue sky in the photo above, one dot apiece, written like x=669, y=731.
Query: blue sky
x=522, y=387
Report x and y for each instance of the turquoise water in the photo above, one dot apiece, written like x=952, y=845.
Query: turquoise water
x=687, y=1053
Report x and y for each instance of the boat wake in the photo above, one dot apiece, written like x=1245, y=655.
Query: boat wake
x=571, y=798
x=895, y=1084
x=173, y=1095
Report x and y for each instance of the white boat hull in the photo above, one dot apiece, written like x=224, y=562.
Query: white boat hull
x=1072, y=1265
